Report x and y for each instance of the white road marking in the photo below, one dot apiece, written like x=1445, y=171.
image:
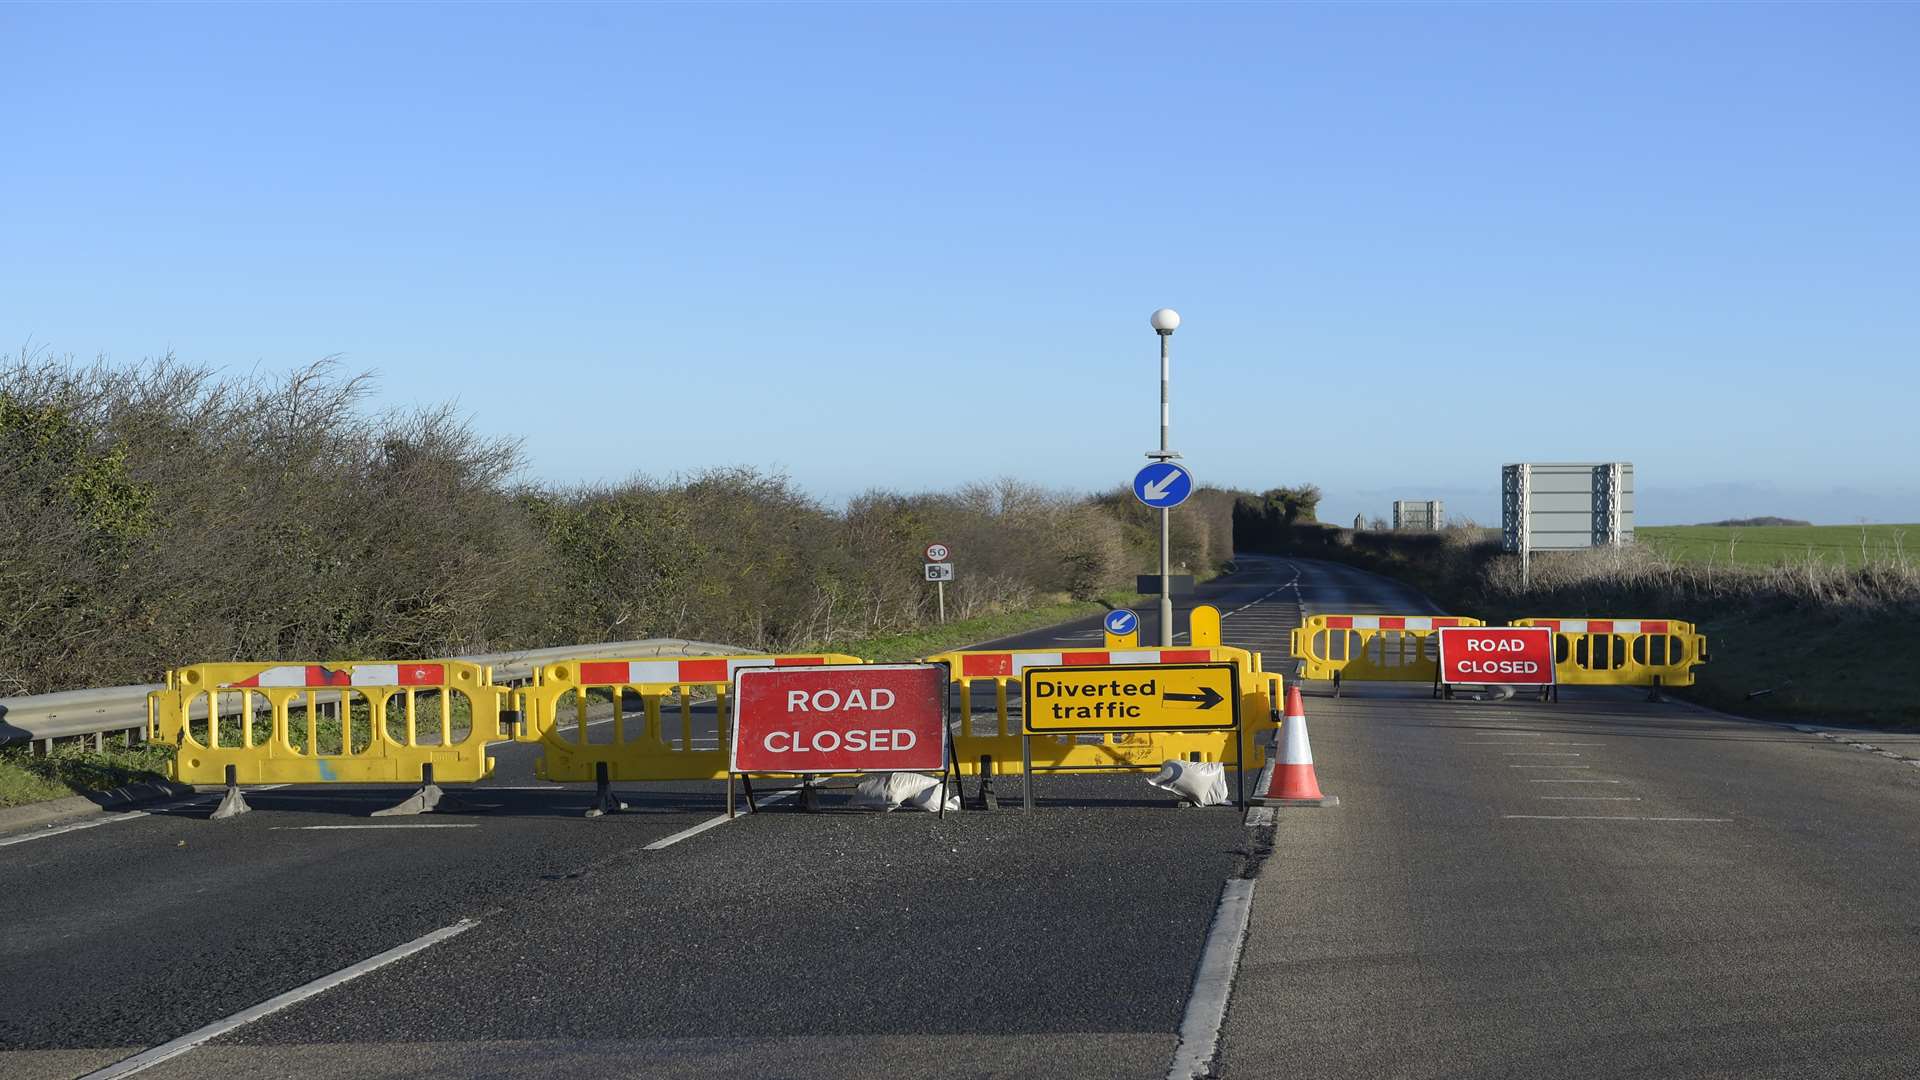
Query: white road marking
x=111, y=817
x=1571, y=780
x=316, y=828
x=1543, y=753
x=714, y=822
x=147, y=1059
x=1207, y=1005
x=1602, y=817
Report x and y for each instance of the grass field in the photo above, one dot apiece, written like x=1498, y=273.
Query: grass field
x=1768, y=545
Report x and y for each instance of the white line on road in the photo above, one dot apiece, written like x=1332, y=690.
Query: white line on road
x=317, y=828
x=147, y=1059
x=1207, y=1006
x=713, y=822
x=1543, y=753
x=1602, y=817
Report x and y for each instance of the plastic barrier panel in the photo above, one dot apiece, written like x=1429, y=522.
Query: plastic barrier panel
x=640, y=719
x=1376, y=648
x=988, y=734
x=1624, y=652
x=349, y=723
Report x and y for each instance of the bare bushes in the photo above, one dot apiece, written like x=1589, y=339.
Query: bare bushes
x=160, y=515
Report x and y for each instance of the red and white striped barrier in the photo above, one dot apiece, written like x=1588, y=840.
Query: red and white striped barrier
x=719, y=669
x=1604, y=626
x=319, y=675
x=1390, y=622
x=1007, y=664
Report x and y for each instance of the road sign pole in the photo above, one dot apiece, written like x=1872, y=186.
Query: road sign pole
x=942, y=587
x=1166, y=520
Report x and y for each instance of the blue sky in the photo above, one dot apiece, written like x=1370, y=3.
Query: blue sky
x=911, y=246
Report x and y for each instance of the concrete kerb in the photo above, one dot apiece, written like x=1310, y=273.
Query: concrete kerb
x=56, y=811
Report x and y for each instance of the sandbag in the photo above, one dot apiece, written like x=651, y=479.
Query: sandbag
x=1202, y=783
x=886, y=791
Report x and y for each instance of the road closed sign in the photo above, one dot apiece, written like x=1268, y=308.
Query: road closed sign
x=1496, y=655
x=840, y=718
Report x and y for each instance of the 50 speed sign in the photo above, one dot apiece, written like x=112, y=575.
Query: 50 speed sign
x=937, y=553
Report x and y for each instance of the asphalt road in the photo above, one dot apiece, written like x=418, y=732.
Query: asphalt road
x=1690, y=896
x=983, y=944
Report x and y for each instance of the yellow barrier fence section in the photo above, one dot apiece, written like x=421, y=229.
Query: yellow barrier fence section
x=1624, y=652
x=995, y=734
x=1376, y=648
x=577, y=710
x=351, y=723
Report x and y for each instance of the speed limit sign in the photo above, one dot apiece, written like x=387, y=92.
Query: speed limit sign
x=937, y=553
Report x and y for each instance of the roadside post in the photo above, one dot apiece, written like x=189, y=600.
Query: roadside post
x=1122, y=626
x=940, y=571
x=840, y=718
x=1090, y=699
x=1496, y=656
x=1156, y=490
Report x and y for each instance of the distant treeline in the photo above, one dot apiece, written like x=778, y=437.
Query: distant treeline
x=1753, y=523
x=160, y=515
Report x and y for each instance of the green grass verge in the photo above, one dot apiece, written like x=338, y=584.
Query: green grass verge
x=1793, y=666
x=1769, y=545
x=895, y=648
x=71, y=770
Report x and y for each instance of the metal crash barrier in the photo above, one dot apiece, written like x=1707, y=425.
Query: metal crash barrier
x=1375, y=648
x=350, y=723
x=1624, y=652
x=579, y=713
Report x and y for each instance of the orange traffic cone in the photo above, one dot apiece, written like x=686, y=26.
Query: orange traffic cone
x=1293, y=782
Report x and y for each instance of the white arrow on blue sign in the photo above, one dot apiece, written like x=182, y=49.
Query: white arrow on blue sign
x=1120, y=621
x=1163, y=484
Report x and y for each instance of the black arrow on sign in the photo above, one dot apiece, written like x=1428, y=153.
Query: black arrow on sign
x=1208, y=697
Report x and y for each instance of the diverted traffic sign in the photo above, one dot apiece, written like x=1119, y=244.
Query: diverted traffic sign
x=1087, y=699
x=1496, y=655
x=840, y=718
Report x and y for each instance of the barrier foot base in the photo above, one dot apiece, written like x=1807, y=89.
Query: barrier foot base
x=1328, y=800
x=809, y=801
x=605, y=802
x=232, y=805
x=988, y=800
x=429, y=798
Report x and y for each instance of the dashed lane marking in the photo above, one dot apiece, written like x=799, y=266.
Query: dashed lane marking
x=325, y=828
x=1603, y=817
x=1574, y=780
x=714, y=822
x=167, y=1051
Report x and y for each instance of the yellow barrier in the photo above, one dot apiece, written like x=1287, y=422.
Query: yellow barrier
x=352, y=723
x=1624, y=652
x=615, y=747
x=991, y=741
x=1376, y=648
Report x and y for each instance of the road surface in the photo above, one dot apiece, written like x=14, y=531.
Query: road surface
x=1691, y=896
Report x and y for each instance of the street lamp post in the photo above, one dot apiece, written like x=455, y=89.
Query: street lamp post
x=1165, y=322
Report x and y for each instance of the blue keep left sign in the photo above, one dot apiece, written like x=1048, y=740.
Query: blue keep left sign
x=1120, y=622
x=1163, y=484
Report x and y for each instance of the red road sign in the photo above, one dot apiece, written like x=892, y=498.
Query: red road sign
x=841, y=718
x=937, y=553
x=1496, y=655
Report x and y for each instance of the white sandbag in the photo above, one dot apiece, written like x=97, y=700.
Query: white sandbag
x=1202, y=783
x=886, y=791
